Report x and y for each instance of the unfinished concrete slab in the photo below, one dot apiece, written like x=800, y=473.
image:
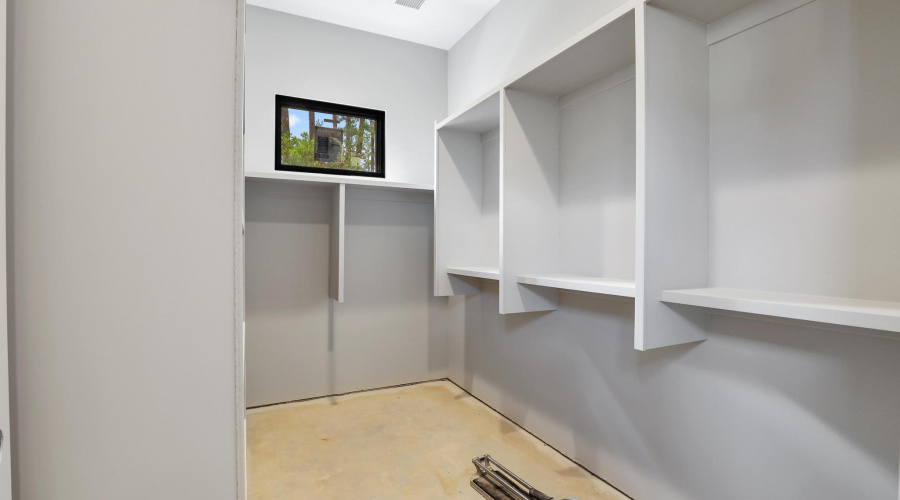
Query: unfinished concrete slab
x=413, y=442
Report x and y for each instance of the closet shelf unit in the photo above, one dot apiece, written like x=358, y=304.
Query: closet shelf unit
x=605, y=171
x=485, y=273
x=692, y=131
x=466, y=219
x=568, y=168
x=868, y=314
x=337, y=185
x=334, y=180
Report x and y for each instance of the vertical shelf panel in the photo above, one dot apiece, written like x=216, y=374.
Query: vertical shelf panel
x=529, y=199
x=672, y=247
x=457, y=209
x=338, y=224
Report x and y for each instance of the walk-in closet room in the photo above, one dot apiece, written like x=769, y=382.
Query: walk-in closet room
x=451, y=249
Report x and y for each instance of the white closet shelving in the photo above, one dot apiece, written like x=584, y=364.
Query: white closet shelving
x=337, y=185
x=569, y=172
x=605, y=176
x=485, y=273
x=605, y=286
x=836, y=311
x=692, y=133
x=467, y=166
x=334, y=180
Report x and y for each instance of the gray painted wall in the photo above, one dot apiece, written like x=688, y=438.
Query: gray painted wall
x=390, y=329
x=121, y=187
x=802, y=171
x=286, y=55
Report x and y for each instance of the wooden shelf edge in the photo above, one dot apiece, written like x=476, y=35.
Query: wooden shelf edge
x=605, y=286
x=874, y=315
x=487, y=273
x=334, y=180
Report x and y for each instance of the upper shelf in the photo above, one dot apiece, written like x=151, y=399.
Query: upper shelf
x=481, y=117
x=605, y=286
x=705, y=11
x=608, y=49
x=837, y=311
x=487, y=273
x=335, y=180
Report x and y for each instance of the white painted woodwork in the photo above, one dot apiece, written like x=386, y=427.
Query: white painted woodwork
x=589, y=284
x=704, y=11
x=529, y=198
x=568, y=174
x=831, y=310
x=466, y=204
x=672, y=249
x=481, y=117
x=607, y=49
x=5, y=437
x=328, y=179
x=337, y=231
x=487, y=273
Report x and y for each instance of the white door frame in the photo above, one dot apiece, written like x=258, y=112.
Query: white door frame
x=239, y=402
x=5, y=448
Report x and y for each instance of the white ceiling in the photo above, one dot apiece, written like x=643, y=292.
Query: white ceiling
x=439, y=23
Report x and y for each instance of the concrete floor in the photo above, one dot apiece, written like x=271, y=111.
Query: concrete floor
x=413, y=442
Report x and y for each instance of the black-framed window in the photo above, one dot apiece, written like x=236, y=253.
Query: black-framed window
x=327, y=138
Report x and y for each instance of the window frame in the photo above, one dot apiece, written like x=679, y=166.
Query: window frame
x=334, y=109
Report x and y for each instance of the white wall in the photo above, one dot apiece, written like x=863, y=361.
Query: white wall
x=389, y=330
x=761, y=409
x=300, y=57
x=121, y=186
x=510, y=37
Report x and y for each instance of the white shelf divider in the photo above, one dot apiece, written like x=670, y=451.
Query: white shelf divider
x=334, y=180
x=336, y=259
x=869, y=314
x=466, y=171
x=588, y=284
x=485, y=273
x=672, y=247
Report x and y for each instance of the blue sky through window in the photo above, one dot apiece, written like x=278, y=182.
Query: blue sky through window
x=298, y=120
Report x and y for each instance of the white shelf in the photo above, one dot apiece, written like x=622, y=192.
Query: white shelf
x=487, y=273
x=606, y=286
x=837, y=311
x=335, y=180
x=480, y=117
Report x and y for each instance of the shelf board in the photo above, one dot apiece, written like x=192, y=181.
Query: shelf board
x=480, y=117
x=870, y=314
x=606, y=286
x=705, y=11
x=609, y=48
x=487, y=273
x=335, y=180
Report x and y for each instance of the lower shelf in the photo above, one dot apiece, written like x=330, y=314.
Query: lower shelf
x=837, y=311
x=487, y=273
x=606, y=286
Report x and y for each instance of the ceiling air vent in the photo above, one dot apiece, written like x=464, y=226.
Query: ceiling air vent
x=415, y=4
